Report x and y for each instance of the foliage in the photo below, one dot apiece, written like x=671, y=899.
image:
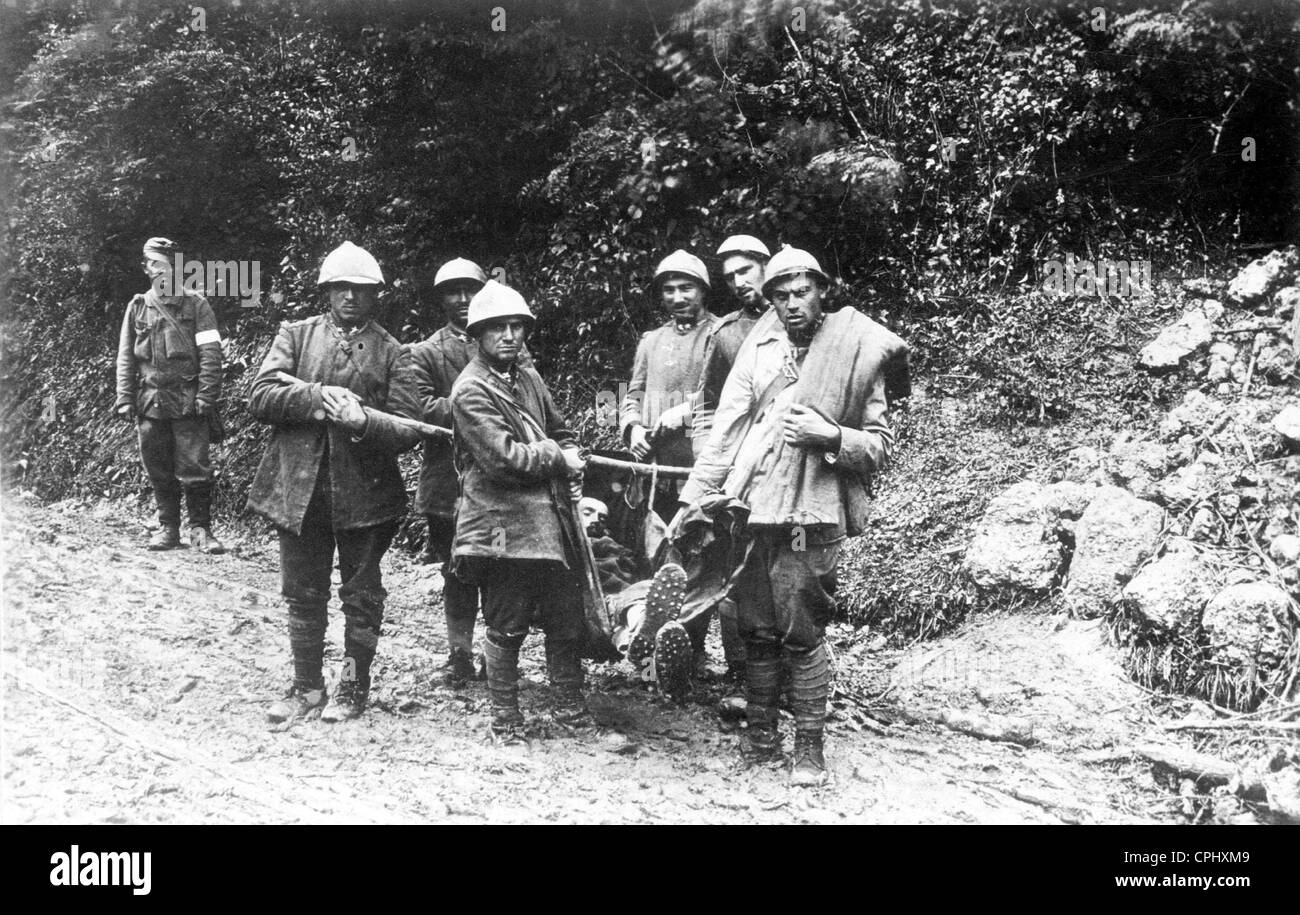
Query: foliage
x=573, y=149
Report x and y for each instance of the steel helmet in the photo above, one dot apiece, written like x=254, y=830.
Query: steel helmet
x=459, y=269
x=791, y=262
x=160, y=249
x=747, y=245
x=685, y=263
x=349, y=264
x=493, y=303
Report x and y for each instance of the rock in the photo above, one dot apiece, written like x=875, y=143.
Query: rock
x=858, y=174
x=1199, y=285
x=1285, y=302
x=1287, y=424
x=1188, y=335
x=1116, y=532
x=1196, y=413
x=1260, y=277
x=1136, y=464
x=1219, y=371
x=1013, y=543
x=1276, y=363
x=1068, y=499
x=1212, y=309
x=1295, y=334
x=1247, y=625
x=1171, y=592
x=1082, y=464
x=1282, y=788
x=1285, y=548
x=1221, y=349
x=1188, y=485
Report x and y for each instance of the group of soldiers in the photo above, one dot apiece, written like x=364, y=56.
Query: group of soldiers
x=778, y=409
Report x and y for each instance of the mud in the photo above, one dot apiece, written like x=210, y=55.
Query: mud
x=135, y=686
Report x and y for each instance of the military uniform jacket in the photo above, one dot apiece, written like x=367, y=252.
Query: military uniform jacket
x=366, y=485
x=719, y=355
x=509, y=465
x=666, y=373
x=438, y=362
x=168, y=356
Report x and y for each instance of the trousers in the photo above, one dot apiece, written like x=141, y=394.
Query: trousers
x=306, y=564
x=175, y=455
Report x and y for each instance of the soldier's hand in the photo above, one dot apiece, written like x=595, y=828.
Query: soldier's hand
x=672, y=419
x=573, y=462
x=807, y=428
x=333, y=394
x=126, y=411
x=638, y=442
x=202, y=407
x=346, y=413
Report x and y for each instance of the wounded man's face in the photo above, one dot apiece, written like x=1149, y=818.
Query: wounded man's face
x=593, y=513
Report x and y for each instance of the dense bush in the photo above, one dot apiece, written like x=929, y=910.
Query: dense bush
x=577, y=146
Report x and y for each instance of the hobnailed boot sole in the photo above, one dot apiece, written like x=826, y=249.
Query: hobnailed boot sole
x=673, y=660
x=639, y=652
x=663, y=603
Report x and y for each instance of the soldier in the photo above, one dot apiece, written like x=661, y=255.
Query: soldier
x=516, y=532
x=438, y=362
x=743, y=260
x=656, y=413
x=169, y=379
x=799, y=430
x=329, y=479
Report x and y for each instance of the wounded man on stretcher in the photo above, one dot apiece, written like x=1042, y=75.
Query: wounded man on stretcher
x=645, y=612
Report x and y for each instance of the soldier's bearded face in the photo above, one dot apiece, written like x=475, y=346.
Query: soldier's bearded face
x=455, y=298
x=682, y=296
x=352, y=304
x=500, y=342
x=593, y=513
x=744, y=276
x=798, y=302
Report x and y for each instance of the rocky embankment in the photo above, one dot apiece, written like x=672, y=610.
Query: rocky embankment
x=1184, y=539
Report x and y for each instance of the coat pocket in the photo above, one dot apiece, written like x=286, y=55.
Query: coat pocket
x=143, y=340
x=178, y=342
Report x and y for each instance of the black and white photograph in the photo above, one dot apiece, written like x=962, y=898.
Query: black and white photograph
x=635, y=412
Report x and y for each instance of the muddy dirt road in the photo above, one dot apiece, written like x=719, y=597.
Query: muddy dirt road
x=135, y=684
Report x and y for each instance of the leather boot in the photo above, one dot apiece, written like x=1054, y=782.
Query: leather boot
x=198, y=501
x=297, y=703
x=460, y=607
x=168, y=535
x=349, y=699
x=809, y=690
x=307, y=622
x=809, y=770
x=733, y=646
x=762, y=670
x=503, y=684
x=360, y=640
x=731, y=707
x=564, y=667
